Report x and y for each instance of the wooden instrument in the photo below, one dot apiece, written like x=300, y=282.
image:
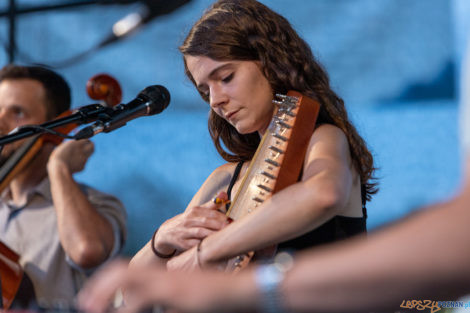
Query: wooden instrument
x=278, y=160
x=99, y=87
x=11, y=274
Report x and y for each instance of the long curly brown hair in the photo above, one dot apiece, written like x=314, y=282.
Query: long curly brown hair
x=248, y=30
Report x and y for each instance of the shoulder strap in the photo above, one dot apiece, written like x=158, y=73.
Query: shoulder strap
x=364, y=200
x=235, y=175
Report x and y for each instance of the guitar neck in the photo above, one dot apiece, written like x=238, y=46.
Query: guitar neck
x=278, y=160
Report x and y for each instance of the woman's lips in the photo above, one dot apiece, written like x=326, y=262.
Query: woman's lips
x=229, y=115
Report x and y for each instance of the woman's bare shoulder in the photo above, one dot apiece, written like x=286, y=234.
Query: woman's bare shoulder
x=224, y=168
x=329, y=131
x=217, y=181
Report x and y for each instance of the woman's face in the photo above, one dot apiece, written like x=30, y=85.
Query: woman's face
x=237, y=91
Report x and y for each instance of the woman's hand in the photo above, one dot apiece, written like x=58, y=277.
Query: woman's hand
x=187, y=261
x=191, y=260
x=187, y=229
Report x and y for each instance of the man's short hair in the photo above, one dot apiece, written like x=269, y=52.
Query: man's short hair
x=58, y=96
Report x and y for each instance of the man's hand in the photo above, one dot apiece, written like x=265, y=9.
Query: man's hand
x=72, y=155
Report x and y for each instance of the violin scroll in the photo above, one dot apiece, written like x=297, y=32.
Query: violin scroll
x=101, y=87
x=104, y=87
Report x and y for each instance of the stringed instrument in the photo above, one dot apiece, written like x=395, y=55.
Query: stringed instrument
x=11, y=274
x=278, y=160
x=99, y=87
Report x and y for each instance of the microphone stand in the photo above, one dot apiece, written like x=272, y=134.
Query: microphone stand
x=83, y=115
x=12, y=11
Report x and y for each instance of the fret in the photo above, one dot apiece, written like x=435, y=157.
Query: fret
x=280, y=137
x=264, y=188
x=268, y=175
x=274, y=148
x=283, y=124
x=257, y=199
x=290, y=113
x=272, y=162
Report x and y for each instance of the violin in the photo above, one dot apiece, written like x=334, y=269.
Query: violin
x=11, y=274
x=100, y=87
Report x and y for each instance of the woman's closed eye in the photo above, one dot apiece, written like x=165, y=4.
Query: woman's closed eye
x=228, y=78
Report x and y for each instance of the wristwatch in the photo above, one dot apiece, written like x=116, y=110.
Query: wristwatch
x=268, y=277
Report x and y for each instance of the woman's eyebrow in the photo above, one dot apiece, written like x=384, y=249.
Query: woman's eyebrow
x=215, y=71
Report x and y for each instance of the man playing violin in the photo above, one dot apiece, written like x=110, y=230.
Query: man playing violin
x=60, y=228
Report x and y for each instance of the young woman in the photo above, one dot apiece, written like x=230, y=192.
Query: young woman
x=239, y=55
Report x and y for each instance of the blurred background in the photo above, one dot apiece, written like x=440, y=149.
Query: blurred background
x=396, y=63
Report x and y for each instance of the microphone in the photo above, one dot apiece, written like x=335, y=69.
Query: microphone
x=148, y=11
x=152, y=100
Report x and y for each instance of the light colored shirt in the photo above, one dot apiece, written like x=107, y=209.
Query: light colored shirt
x=31, y=231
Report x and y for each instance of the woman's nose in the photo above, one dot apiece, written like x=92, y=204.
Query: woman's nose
x=217, y=97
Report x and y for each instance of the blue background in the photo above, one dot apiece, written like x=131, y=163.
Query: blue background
x=395, y=62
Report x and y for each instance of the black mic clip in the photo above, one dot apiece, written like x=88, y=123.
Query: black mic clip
x=97, y=127
x=92, y=112
x=152, y=100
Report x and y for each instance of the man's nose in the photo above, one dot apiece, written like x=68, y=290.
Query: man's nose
x=4, y=123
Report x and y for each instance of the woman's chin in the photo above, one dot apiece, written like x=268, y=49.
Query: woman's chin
x=244, y=130
x=248, y=129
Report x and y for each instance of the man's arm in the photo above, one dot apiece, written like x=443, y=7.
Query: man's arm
x=423, y=257
x=86, y=236
x=427, y=256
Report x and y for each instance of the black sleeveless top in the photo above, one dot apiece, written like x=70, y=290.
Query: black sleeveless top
x=337, y=228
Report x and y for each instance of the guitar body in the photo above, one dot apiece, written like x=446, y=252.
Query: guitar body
x=278, y=160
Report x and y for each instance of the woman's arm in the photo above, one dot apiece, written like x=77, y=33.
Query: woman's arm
x=325, y=191
x=185, y=230
x=424, y=257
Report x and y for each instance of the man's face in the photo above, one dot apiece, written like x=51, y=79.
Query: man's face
x=22, y=102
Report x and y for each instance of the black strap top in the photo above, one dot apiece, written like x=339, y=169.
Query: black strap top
x=337, y=228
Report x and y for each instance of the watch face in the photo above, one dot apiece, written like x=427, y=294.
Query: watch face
x=269, y=276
